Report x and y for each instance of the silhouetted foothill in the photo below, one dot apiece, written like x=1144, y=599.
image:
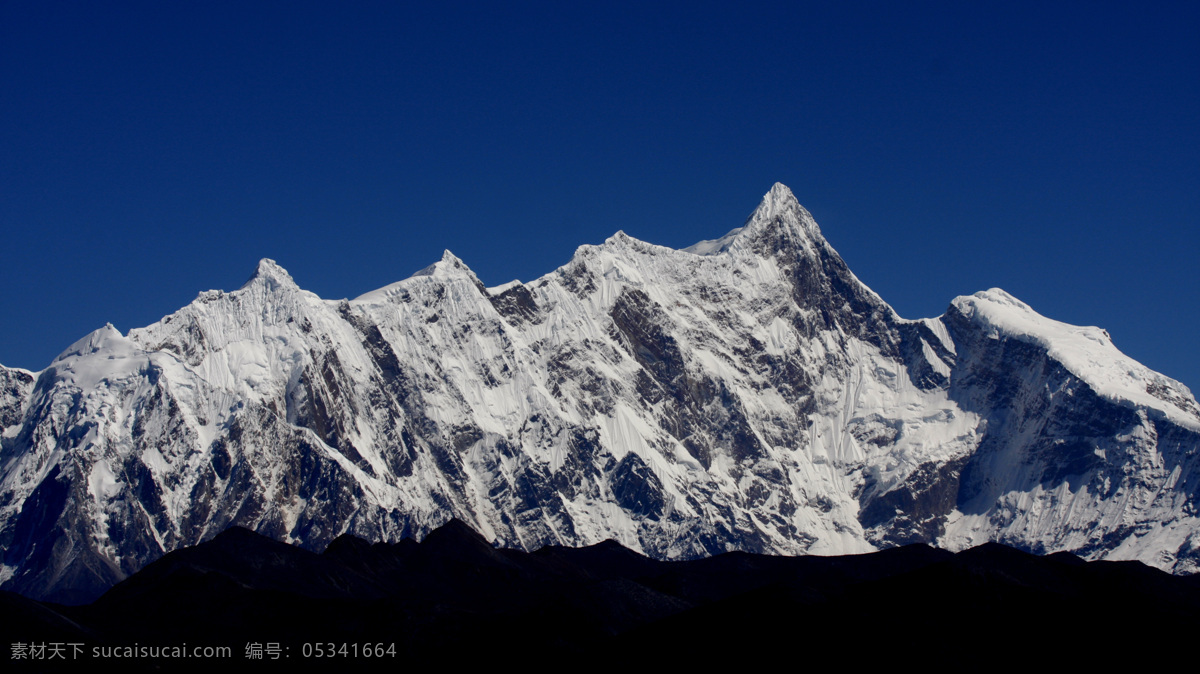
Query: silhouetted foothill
x=454, y=593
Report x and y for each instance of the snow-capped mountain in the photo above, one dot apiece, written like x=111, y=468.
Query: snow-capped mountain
x=744, y=393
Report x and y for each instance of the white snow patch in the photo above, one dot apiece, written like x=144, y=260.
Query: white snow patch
x=713, y=246
x=503, y=287
x=102, y=483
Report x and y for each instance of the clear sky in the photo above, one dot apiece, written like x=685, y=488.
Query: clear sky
x=149, y=151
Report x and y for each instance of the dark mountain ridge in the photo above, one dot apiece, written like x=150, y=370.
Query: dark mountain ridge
x=455, y=597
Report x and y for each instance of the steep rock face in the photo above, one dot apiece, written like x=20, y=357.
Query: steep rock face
x=1080, y=453
x=745, y=393
x=15, y=386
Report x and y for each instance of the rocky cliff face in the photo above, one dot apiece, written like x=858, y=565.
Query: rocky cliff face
x=745, y=393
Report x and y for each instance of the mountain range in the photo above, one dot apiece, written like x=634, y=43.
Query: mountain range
x=745, y=393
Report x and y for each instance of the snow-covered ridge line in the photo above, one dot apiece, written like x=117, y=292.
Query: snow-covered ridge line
x=1086, y=351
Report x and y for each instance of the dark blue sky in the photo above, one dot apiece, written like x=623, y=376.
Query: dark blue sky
x=149, y=151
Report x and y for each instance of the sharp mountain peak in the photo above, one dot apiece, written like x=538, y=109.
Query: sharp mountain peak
x=269, y=274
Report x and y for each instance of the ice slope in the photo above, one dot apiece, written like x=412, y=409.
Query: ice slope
x=744, y=393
